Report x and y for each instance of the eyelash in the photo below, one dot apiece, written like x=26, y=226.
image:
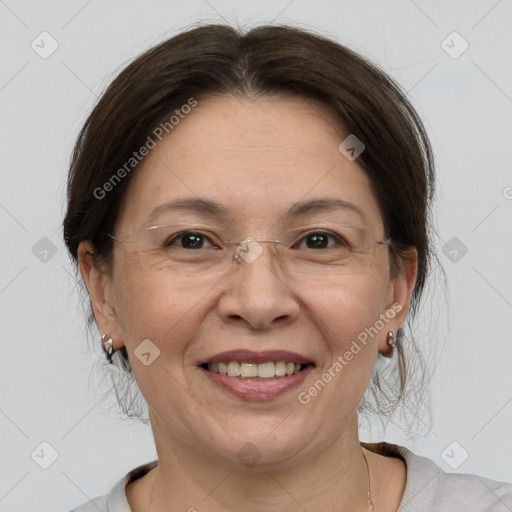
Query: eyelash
x=178, y=236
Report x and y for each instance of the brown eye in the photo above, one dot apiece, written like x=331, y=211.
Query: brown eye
x=320, y=240
x=188, y=240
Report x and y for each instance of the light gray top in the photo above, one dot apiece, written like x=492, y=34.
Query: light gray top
x=428, y=489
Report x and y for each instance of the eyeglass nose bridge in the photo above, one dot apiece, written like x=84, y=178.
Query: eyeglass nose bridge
x=249, y=249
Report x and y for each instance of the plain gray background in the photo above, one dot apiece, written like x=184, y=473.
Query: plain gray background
x=465, y=100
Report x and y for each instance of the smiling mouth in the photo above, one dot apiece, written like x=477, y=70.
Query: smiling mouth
x=256, y=371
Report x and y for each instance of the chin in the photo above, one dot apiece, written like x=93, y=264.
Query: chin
x=260, y=444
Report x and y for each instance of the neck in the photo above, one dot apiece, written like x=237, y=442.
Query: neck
x=334, y=479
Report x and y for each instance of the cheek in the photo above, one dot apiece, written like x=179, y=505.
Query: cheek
x=151, y=309
x=347, y=314
x=148, y=307
x=348, y=307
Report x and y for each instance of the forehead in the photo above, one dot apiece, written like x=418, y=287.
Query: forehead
x=256, y=157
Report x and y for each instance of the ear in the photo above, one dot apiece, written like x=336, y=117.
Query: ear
x=398, y=299
x=101, y=292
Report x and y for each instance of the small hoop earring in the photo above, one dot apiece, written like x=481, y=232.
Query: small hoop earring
x=108, y=347
x=391, y=339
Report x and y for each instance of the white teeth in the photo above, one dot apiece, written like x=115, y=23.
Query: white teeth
x=280, y=369
x=255, y=371
x=248, y=370
x=266, y=370
x=233, y=369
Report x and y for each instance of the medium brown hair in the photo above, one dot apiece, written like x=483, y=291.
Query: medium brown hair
x=267, y=61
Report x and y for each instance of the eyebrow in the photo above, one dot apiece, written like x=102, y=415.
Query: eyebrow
x=212, y=209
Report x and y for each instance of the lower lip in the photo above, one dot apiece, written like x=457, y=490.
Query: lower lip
x=258, y=390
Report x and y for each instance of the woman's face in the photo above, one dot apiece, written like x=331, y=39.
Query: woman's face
x=256, y=159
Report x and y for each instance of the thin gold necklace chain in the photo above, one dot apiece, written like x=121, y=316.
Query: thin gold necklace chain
x=370, y=502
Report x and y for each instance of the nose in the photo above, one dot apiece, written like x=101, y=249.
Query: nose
x=257, y=293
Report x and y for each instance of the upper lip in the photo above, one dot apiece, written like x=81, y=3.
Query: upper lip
x=249, y=356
